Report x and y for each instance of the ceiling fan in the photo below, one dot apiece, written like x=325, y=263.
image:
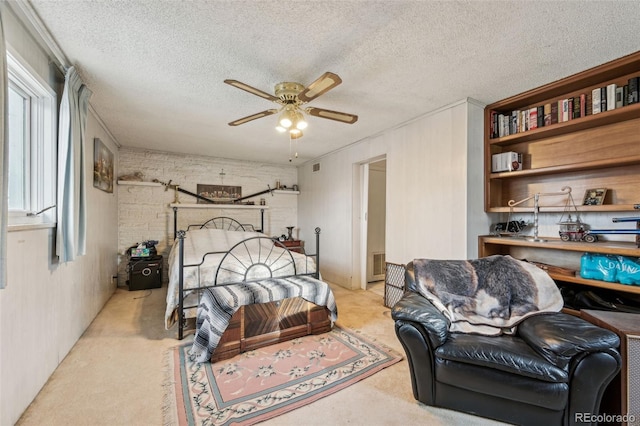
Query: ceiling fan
x=291, y=97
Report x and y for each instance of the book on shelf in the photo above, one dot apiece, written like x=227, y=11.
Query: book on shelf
x=547, y=114
x=514, y=126
x=634, y=82
x=611, y=96
x=540, y=111
x=565, y=110
x=570, y=108
x=625, y=95
x=506, y=162
x=575, y=113
x=533, y=118
x=595, y=104
x=583, y=105
x=554, y=112
x=619, y=94
x=603, y=99
x=494, y=124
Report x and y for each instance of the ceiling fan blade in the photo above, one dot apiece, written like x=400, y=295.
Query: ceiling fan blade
x=253, y=117
x=332, y=115
x=322, y=85
x=252, y=90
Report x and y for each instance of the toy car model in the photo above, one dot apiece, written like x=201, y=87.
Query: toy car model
x=512, y=227
x=573, y=230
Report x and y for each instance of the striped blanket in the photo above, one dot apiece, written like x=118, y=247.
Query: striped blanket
x=218, y=304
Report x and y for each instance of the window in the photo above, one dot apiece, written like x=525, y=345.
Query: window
x=31, y=127
x=19, y=149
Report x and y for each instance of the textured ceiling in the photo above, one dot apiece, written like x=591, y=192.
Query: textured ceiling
x=156, y=68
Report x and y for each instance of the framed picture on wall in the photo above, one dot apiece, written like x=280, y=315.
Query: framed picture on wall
x=219, y=193
x=102, y=166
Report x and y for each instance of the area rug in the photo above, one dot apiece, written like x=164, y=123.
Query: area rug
x=267, y=382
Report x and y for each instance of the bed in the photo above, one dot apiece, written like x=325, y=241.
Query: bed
x=243, y=290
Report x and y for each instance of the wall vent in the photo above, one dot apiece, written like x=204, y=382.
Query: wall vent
x=378, y=264
x=316, y=167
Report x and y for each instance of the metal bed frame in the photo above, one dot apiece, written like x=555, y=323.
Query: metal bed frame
x=261, y=258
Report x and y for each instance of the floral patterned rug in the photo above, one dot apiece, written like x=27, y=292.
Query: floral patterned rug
x=264, y=383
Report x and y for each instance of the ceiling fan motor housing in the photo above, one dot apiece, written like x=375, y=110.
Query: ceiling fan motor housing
x=287, y=92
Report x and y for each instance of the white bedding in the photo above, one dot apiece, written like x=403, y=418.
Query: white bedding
x=257, y=252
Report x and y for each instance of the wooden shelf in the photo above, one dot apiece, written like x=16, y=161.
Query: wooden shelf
x=563, y=168
x=557, y=209
x=593, y=283
x=218, y=206
x=605, y=247
x=552, y=248
x=138, y=183
x=285, y=191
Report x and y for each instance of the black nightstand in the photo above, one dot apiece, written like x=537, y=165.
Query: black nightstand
x=145, y=273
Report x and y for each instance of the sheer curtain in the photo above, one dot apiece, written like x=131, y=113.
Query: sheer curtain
x=4, y=158
x=72, y=210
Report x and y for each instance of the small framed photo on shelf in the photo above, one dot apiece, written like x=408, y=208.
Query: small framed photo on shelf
x=594, y=197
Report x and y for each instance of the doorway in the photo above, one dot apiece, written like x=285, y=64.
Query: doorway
x=374, y=235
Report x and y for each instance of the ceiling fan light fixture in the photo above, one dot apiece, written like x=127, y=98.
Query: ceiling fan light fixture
x=298, y=120
x=280, y=129
x=287, y=118
x=295, y=133
x=285, y=121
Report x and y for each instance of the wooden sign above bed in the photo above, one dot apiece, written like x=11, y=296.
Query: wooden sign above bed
x=238, y=200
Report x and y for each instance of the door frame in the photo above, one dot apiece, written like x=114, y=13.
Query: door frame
x=360, y=221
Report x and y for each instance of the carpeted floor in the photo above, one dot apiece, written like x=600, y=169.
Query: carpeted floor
x=114, y=374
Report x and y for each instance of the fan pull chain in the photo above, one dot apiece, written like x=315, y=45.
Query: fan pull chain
x=291, y=149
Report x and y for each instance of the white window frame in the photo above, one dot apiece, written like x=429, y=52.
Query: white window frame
x=43, y=137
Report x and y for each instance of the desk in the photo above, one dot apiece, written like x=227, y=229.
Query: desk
x=623, y=394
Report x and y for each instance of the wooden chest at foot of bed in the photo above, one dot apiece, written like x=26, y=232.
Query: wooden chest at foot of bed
x=263, y=324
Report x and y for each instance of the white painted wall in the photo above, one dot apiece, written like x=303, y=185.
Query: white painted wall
x=434, y=192
x=144, y=212
x=46, y=306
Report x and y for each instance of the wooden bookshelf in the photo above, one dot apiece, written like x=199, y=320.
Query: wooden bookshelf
x=595, y=151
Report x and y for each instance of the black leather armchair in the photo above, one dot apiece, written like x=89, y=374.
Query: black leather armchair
x=553, y=371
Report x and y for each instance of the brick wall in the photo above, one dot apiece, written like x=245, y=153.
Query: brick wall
x=144, y=212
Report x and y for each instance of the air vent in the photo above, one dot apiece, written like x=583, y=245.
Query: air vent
x=378, y=264
x=316, y=167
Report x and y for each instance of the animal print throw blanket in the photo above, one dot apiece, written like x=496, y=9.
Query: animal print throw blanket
x=487, y=296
